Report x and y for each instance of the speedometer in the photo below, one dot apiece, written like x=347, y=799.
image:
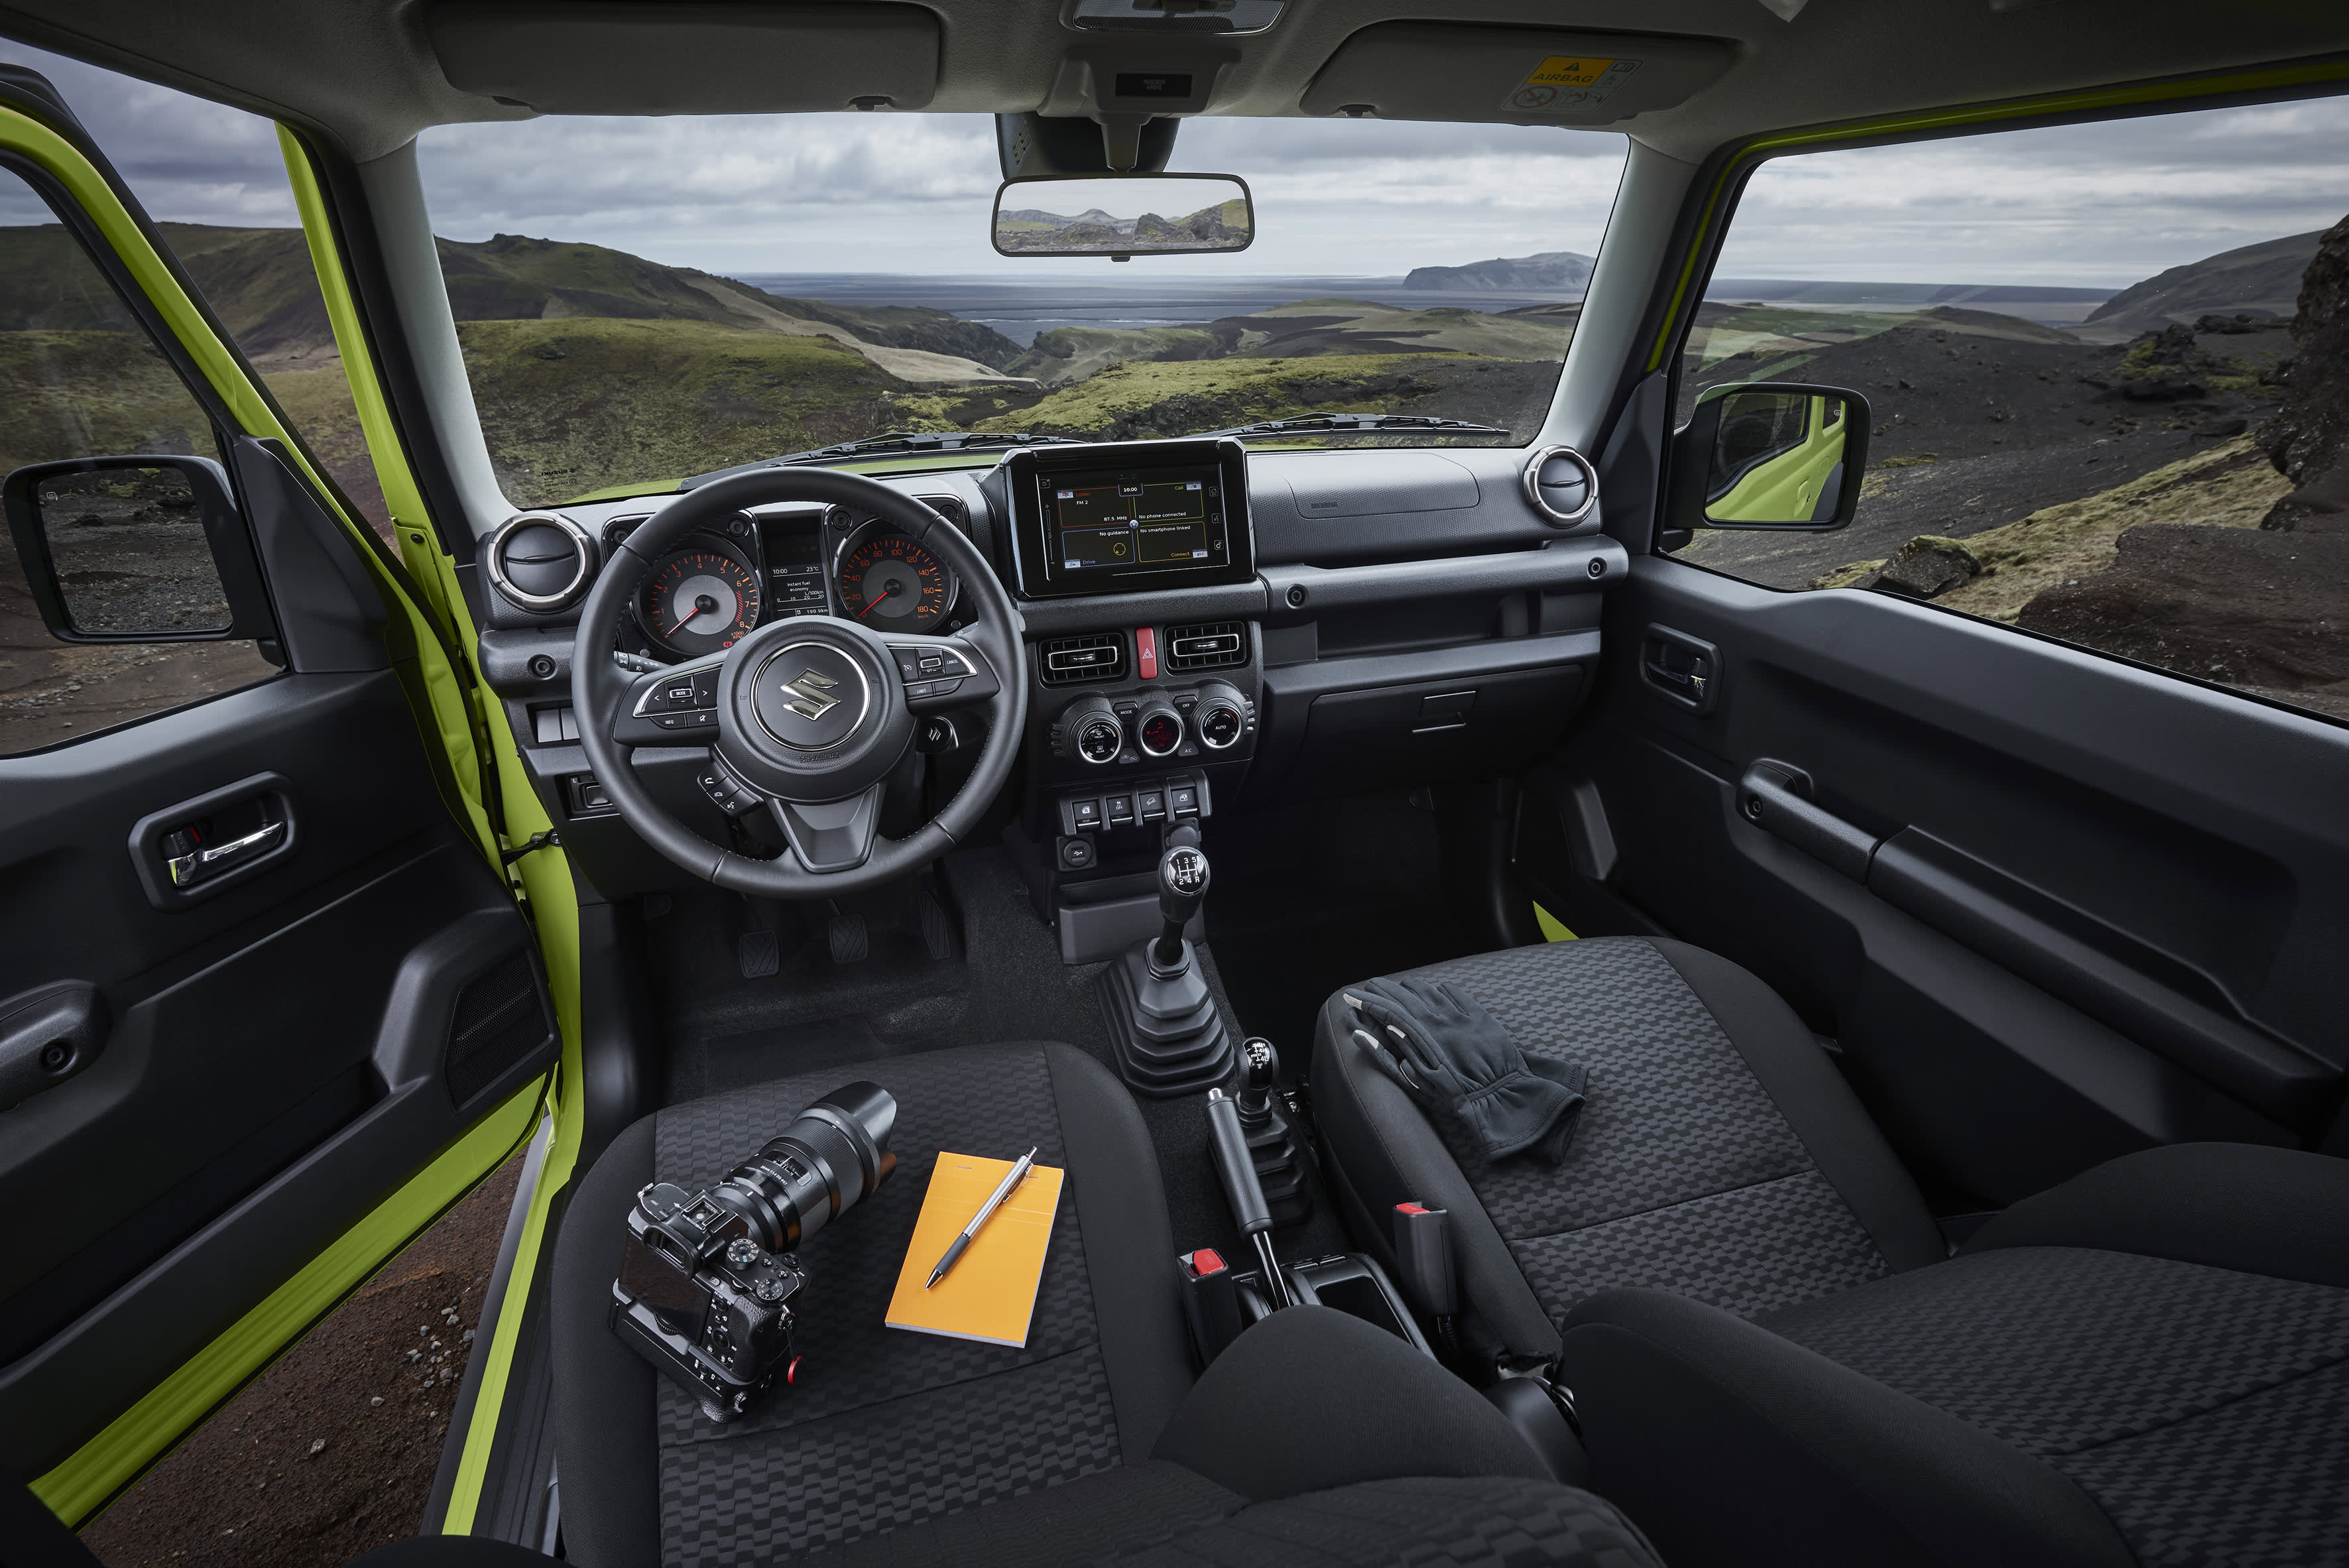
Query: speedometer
x=699, y=601
x=893, y=583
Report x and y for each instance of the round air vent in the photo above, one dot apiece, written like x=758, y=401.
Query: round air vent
x=1561, y=484
x=541, y=560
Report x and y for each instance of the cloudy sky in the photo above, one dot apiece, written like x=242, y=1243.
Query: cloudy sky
x=2089, y=206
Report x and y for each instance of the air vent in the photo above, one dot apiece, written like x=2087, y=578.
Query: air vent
x=1561, y=484
x=542, y=561
x=1098, y=656
x=950, y=508
x=501, y=1019
x=1216, y=645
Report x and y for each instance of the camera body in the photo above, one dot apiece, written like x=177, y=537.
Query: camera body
x=701, y=1298
x=708, y=1290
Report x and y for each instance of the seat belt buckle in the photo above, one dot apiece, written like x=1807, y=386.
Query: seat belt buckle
x=1210, y=1304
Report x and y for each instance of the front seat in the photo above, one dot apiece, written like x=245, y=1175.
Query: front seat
x=1773, y=1355
x=1316, y=1436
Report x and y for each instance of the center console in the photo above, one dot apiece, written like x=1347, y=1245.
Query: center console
x=1139, y=713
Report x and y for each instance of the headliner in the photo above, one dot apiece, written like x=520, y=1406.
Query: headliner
x=363, y=72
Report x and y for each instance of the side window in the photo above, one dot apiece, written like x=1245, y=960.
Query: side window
x=2107, y=377
x=213, y=180
x=80, y=379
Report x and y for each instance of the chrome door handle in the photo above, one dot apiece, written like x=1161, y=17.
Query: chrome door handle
x=188, y=868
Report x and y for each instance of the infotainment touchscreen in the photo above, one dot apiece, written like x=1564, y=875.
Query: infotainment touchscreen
x=1121, y=517
x=1137, y=518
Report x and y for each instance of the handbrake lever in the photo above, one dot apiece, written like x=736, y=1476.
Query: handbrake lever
x=1236, y=1166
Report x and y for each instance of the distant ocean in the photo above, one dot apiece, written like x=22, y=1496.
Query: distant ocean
x=1019, y=310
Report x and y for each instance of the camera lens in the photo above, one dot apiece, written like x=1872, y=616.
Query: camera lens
x=823, y=1165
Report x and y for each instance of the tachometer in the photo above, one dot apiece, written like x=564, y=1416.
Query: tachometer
x=894, y=584
x=699, y=601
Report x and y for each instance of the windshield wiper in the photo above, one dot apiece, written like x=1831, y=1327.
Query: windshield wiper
x=1328, y=424
x=895, y=442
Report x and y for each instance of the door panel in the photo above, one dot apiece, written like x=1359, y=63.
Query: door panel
x=275, y=1059
x=2090, y=906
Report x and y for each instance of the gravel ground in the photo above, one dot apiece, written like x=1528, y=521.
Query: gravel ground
x=330, y=1451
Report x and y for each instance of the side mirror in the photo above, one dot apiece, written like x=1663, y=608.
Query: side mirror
x=141, y=548
x=1769, y=455
x=1123, y=216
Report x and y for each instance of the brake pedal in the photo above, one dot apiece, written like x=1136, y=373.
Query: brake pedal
x=758, y=953
x=849, y=940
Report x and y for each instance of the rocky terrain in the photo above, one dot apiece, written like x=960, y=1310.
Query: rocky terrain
x=2180, y=498
x=2262, y=280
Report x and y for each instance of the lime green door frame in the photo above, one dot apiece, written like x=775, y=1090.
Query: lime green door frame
x=432, y=634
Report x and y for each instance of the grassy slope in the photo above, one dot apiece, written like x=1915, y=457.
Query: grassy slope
x=1303, y=327
x=2231, y=485
x=596, y=403
x=1137, y=400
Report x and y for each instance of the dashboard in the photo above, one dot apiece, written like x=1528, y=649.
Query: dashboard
x=1205, y=627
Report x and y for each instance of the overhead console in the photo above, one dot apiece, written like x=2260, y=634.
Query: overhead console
x=1128, y=517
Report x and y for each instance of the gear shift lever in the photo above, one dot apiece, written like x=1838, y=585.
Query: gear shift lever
x=1272, y=1144
x=1163, y=1024
x=1182, y=888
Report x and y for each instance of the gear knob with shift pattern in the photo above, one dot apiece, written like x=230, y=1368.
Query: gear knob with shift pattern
x=1182, y=889
x=1163, y=1025
x=1272, y=1143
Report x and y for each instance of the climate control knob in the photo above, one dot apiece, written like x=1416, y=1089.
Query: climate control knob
x=1087, y=730
x=1222, y=716
x=1158, y=728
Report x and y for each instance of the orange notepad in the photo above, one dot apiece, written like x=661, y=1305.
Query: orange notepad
x=990, y=1293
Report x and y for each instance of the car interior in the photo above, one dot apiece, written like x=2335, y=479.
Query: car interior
x=1550, y=1052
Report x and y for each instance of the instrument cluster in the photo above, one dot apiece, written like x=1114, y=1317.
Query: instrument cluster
x=718, y=585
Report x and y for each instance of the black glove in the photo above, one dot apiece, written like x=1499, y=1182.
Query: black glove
x=1455, y=1059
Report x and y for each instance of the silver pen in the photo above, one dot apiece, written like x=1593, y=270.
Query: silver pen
x=1019, y=1175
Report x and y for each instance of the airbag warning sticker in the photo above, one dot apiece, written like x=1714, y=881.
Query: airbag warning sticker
x=1564, y=84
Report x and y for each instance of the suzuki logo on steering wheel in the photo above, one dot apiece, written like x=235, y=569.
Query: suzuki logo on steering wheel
x=811, y=694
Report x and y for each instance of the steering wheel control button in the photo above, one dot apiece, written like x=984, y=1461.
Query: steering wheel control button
x=1121, y=810
x=1183, y=800
x=1153, y=805
x=705, y=688
x=1076, y=855
x=810, y=695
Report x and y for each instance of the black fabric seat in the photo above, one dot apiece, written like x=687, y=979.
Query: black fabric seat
x=2148, y=1364
x=1721, y=1156
x=1774, y=1357
x=1088, y=1444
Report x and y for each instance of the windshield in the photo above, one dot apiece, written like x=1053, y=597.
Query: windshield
x=641, y=301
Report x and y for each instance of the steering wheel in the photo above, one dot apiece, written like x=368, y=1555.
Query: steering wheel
x=804, y=719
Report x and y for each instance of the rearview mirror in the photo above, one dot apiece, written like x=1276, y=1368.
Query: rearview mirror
x=1770, y=455
x=1121, y=216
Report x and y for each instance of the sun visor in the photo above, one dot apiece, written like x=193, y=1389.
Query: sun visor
x=1521, y=76
x=621, y=56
